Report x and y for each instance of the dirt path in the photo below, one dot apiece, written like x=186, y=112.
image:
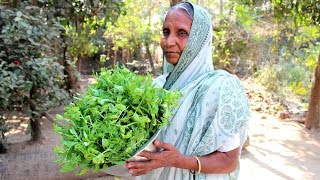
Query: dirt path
x=280, y=150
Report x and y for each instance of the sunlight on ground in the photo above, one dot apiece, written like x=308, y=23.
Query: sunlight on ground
x=280, y=150
x=85, y=81
x=18, y=128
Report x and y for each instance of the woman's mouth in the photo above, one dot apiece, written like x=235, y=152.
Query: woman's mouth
x=170, y=53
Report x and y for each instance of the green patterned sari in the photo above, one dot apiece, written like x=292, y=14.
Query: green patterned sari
x=214, y=106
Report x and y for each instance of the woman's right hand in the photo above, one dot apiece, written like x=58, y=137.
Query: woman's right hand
x=170, y=156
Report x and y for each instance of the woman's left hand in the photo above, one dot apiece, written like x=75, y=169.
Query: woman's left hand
x=168, y=157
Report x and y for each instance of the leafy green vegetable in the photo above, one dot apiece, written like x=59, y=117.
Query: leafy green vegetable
x=114, y=118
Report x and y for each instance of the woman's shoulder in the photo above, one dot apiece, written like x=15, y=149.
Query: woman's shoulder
x=160, y=80
x=221, y=82
x=220, y=77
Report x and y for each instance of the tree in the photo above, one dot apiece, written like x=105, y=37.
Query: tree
x=84, y=24
x=136, y=29
x=303, y=15
x=35, y=64
x=306, y=13
x=31, y=77
x=313, y=115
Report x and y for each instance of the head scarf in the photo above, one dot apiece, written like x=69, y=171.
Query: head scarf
x=197, y=53
x=214, y=106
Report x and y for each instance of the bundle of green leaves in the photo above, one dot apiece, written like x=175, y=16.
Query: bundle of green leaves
x=108, y=123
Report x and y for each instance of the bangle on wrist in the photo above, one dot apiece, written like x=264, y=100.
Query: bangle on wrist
x=199, y=165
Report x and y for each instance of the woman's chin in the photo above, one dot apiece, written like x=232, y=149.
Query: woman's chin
x=172, y=61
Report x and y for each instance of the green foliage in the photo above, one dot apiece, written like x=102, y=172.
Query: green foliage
x=88, y=39
x=233, y=39
x=270, y=77
x=245, y=16
x=139, y=26
x=107, y=124
x=291, y=32
x=231, y=44
x=297, y=79
x=73, y=12
x=85, y=23
x=28, y=59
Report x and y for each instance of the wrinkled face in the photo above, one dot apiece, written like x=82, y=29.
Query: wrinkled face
x=175, y=33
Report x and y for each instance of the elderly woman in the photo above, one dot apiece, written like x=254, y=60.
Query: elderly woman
x=208, y=128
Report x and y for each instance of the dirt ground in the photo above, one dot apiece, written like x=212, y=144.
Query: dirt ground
x=279, y=149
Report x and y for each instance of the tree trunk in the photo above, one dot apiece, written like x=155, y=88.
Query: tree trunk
x=174, y=2
x=129, y=56
x=35, y=126
x=221, y=7
x=79, y=62
x=15, y=3
x=34, y=2
x=126, y=56
x=71, y=80
x=123, y=56
x=154, y=71
x=3, y=140
x=115, y=58
x=35, y=117
x=71, y=83
x=313, y=115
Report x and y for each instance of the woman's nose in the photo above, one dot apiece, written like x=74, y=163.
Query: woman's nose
x=170, y=41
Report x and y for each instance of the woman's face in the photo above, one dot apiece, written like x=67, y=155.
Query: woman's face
x=175, y=33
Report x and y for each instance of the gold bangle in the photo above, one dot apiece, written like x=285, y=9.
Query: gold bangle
x=199, y=164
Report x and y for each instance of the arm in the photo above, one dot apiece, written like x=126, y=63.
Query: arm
x=216, y=162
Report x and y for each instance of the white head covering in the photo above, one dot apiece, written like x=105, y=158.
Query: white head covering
x=196, y=58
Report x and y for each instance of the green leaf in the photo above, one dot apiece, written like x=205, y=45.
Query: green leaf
x=59, y=117
x=121, y=107
x=82, y=171
x=68, y=167
x=98, y=159
x=57, y=149
x=105, y=143
x=138, y=91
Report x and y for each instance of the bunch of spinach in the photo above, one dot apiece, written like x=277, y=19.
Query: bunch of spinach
x=114, y=118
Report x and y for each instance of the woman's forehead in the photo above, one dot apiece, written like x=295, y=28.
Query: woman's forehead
x=178, y=19
x=177, y=13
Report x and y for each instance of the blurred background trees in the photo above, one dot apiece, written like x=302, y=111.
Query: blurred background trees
x=46, y=45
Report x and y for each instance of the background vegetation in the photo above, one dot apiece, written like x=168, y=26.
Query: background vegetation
x=45, y=43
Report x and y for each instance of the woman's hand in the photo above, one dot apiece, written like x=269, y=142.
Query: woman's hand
x=168, y=157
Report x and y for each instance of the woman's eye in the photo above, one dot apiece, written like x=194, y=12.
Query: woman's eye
x=165, y=32
x=182, y=33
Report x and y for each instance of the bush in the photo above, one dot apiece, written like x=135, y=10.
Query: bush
x=28, y=60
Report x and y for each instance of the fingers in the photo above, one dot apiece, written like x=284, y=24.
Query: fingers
x=148, y=155
x=135, y=165
x=138, y=173
x=163, y=145
x=138, y=168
